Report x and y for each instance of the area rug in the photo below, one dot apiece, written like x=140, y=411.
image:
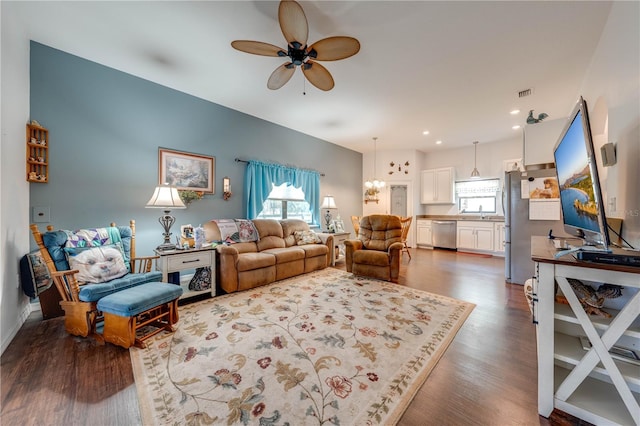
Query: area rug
x=321, y=348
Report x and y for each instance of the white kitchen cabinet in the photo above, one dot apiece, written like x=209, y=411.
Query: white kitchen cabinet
x=498, y=237
x=540, y=139
x=437, y=186
x=475, y=235
x=424, y=233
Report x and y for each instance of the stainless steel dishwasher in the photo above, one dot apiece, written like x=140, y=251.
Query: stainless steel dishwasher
x=444, y=233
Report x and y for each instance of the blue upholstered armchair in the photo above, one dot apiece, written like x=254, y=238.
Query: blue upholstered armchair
x=88, y=264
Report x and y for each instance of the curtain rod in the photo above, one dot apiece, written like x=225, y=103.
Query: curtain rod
x=239, y=160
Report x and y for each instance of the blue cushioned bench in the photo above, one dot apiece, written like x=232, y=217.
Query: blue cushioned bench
x=125, y=312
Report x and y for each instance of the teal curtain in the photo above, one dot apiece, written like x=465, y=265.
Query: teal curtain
x=259, y=178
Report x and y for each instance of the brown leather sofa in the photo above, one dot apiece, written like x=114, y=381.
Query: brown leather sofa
x=376, y=253
x=276, y=254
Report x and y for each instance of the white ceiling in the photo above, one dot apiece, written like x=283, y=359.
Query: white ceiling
x=454, y=68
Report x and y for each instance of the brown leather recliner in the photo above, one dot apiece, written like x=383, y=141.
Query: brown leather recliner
x=376, y=252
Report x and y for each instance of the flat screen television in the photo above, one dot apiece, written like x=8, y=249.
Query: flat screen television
x=580, y=193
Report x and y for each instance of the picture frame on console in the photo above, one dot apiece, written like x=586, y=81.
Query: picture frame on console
x=186, y=171
x=338, y=226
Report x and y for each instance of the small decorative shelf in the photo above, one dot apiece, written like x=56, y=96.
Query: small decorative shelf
x=37, y=154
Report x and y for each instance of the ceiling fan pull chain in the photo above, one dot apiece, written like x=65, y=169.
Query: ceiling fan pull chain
x=304, y=86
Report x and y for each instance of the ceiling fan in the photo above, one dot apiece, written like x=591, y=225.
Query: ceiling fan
x=295, y=29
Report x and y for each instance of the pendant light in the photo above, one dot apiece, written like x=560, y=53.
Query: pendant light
x=475, y=173
x=375, y=184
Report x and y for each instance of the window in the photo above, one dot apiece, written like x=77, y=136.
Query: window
x=477, y=196
x=286, y=202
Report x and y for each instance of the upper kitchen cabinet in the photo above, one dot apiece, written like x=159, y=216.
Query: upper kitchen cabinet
x=540, y=139
x=437, y=186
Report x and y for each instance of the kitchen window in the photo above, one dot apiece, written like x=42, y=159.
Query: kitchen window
x=478, y=196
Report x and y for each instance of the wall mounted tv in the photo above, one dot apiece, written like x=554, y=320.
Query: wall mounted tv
x=580, y=193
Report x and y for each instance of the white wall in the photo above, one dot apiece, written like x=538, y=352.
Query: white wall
x=490, y=158
x=411, y=179
x=14, y=215
x=611, y=89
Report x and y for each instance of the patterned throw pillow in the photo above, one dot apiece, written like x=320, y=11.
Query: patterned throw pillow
x=97, y=264
x=306, y=237
x=246, y=230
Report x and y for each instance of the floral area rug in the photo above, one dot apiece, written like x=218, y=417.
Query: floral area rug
x=322, y=348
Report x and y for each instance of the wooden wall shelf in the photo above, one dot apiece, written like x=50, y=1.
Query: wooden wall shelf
x=37, y=154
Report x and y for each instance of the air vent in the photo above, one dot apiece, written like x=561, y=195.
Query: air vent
x=523, y=93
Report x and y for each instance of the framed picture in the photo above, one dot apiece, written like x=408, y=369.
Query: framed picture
x=338, y=226
x=186, y=171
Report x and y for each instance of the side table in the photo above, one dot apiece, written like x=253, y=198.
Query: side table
x=181, y=260
x=338, y=245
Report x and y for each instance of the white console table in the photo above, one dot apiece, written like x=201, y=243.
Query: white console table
x=590, y=385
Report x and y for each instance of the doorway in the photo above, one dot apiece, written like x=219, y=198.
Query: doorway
x=399, y=200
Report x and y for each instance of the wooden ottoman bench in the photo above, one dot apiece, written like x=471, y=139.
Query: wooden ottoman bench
x=125, y=312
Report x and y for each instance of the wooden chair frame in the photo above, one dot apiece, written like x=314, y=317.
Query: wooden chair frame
x=81, y=318
x=355, y=221
x=406, y=225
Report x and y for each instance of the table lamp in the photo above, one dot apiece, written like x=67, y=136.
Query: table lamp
x=166, y=197
x=328, y=203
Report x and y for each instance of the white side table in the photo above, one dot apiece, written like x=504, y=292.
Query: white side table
x=181, y=260
x=338, y=246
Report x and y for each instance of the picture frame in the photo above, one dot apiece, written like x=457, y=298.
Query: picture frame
x=186, y=171
x=338, y=226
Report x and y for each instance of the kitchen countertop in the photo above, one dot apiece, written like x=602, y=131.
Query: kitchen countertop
x=460, y=217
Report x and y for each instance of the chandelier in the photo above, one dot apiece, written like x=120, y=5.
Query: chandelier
x=374, y=186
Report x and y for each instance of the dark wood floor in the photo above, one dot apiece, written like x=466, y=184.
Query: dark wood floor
x=486, y=377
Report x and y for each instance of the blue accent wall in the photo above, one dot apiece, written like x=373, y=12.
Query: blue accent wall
x=105, y=128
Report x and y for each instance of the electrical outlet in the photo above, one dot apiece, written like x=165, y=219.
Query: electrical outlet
x=612, y=204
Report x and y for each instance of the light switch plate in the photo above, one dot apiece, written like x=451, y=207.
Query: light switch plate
x=41, y=214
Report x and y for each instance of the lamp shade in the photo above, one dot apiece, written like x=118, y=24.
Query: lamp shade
x=328, y=203
x=165, y=197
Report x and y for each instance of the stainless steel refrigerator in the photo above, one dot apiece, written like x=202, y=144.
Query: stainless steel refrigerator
x=518, y=228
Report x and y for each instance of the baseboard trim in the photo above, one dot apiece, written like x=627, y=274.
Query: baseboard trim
x=26, y=311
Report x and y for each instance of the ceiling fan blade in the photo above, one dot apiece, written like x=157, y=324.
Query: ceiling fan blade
x=318, y=75
x=293, y=23
x=281, y=75
x=258, y=48
x=334, y=48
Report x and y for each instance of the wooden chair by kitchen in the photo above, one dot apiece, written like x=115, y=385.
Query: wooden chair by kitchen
x=355, y=220
x=406, y=224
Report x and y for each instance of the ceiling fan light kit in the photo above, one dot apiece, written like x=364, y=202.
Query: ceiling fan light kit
x=295, y=28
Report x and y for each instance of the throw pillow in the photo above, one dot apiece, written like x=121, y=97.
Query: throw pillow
x=246, y=231
x=97, y=264
x=306, y=237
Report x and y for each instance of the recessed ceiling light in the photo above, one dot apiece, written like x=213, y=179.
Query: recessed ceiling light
x=516, y=127
x=438, y=142
x=426, y=132
x=515, y=111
